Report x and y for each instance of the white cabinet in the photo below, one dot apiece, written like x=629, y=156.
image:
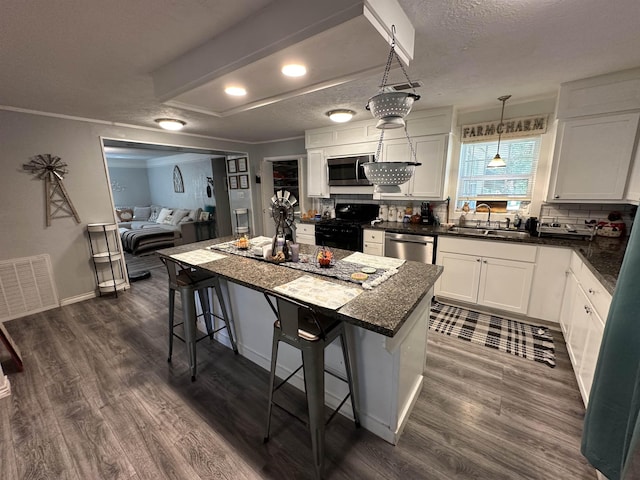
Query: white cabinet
x=549, y=279
x=592, y=157
x=586, y=307
x=460, y=278
x=306, y=233
x=317, y=185
x=373, y=242
x=493, y=274
x=429, y=179
x=108, y=260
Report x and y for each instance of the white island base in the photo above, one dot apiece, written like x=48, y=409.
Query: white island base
x=388, y=370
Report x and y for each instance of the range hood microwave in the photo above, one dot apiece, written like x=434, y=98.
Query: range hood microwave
x=348, y=171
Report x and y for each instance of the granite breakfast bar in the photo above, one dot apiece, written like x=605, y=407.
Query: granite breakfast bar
x=387, y=327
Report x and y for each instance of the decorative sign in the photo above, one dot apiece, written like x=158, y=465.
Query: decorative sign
x=511, y=128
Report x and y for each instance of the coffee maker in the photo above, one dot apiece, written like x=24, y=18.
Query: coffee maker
x=426, y=213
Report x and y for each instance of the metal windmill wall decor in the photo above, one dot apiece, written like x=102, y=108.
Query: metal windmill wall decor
x=52, y=169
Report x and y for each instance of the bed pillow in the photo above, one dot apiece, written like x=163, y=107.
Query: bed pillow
x=164, y=213
x=141, y=214
x=124, y=214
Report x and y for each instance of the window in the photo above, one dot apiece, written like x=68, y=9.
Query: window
x=510, y=185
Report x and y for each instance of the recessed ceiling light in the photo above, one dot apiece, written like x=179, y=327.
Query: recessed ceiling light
x=170, y=123
x=235, y=91
x=341, y=116
x=294, y=70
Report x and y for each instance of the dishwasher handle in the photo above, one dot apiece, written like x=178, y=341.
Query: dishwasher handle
x=410, y=241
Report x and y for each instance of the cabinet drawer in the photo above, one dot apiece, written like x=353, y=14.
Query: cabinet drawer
x=484, y=248
x=595, y=292
x=306, y=229
x=373, y=248
x=373, y=236
x=306, y=239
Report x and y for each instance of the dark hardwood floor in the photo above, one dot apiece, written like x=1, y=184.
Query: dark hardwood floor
x=98, y=400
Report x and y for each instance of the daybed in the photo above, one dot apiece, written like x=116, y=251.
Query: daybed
x=144, y=229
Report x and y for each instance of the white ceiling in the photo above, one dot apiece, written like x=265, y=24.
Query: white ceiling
x=95, y=59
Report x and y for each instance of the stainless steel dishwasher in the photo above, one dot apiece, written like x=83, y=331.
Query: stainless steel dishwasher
x=420, y=248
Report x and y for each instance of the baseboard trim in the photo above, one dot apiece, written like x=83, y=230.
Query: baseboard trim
x=77, y=298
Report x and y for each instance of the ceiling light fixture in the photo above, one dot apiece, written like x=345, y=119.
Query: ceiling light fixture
x=235, y=91
x=294, y=70
x=170, y=123
x=341, y=116
x=497, y=161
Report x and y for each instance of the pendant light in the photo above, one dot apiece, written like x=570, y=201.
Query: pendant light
x=390, y=108
x=497, y=161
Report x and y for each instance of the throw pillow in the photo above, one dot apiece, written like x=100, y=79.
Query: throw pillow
x=179, y=214
x=163, y=214
x=168, y=220
x=155, y=210
x=186, y=219
x=141, y=214
x=124, y=214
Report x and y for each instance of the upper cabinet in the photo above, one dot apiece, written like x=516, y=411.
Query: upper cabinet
x=429, y=179
x=429, y=131
x=597, y=139
x=592, y=157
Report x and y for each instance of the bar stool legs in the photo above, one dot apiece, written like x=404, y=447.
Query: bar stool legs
x=313, y=366
x=355, y=400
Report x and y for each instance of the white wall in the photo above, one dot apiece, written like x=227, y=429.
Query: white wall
x=133, y=182
x=22, y=216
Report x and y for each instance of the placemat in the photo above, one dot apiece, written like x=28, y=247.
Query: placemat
x=198, y=257
x=318, y=292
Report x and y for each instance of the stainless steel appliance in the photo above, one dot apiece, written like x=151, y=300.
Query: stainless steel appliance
x=419, y=248
x=345, y=231
x=348, y=171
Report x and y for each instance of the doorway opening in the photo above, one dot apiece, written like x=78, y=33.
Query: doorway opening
x=175, y=177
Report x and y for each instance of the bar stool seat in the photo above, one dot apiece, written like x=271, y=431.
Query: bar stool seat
x=189, y=281
x=301, y=327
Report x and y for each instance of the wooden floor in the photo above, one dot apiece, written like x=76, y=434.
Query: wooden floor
x=97, y=400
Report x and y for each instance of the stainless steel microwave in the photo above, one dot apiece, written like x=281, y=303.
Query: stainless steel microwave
x=348, y=171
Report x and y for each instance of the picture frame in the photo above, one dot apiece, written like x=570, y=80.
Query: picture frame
x=233, y=182
x=204, y=217
x=242, y=164
x=244, y=181
x=232, y=166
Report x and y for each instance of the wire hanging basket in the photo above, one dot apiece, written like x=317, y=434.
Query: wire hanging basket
x=390, y=108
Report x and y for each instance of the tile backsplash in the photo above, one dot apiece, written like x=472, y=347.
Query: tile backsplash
x=579, y=213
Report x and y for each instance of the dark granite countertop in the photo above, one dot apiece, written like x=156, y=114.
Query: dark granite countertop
x=602, y=255
x=383, y=309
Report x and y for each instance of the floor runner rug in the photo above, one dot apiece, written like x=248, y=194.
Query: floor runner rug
x=510, y=336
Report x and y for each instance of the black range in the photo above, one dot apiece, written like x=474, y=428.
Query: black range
x=345, y=231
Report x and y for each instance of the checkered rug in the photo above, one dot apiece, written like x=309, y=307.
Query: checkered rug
x=517, y=338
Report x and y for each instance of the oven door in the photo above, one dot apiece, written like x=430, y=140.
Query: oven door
x=347, y=238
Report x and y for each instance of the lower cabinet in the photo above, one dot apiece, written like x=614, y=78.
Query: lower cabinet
x=373, y=242
x=496, y=275
x=306, y=233
x=582, y=321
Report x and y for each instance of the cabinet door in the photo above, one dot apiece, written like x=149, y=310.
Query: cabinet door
x=317, y=185
x=592, y=157
x=579, y=329
x=460, y=277
x=505, y=284
x=567, y=305
x=429, y=178
x=306, y=239
x=595, y=330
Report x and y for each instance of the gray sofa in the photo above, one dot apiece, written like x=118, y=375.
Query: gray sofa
x=144, y=229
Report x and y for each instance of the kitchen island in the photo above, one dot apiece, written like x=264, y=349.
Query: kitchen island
x=387, y=327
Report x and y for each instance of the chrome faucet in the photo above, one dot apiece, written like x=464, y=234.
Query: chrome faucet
x=488, y=216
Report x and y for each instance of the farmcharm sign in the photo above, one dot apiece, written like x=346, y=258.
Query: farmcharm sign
x=510, y=128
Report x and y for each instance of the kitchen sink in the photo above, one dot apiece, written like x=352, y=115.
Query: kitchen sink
x=488, y=233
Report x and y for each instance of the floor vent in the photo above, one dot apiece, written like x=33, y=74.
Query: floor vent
x=398, y=87
x=26, y=286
